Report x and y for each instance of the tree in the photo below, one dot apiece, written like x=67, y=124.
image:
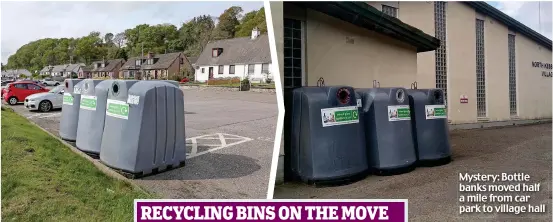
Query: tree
x=108, y=39
x=119, y=39
x=195, y=34
x=253, y=19
x=191, y=37
x=226, y=28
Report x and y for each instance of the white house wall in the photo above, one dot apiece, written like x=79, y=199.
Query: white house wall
x=239, y=71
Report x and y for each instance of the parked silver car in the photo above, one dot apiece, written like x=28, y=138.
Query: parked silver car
x=46, y=101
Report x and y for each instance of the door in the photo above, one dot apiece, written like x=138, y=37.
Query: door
x=20, y=91
x=210, y=73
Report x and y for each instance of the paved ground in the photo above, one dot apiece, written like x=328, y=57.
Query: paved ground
x=230, y=139
x=432, y=192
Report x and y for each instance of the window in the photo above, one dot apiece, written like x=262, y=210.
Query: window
x=231, y=69
x=131, y=74
x=181, y=60
x=480, y=70
x=138, y=62
x=20, y=86
x=251, y=68
x=512, y=76
x=221, y=69
x=440, y=53
x=293, y=61
x=33, y=87
x=214, y=53
x=203, y=70
x=150, y=61
x=389, y=10
x=103, y=65
x=265, y=68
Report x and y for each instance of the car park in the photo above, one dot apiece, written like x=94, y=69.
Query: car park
x=45, y=101
x=16, y=92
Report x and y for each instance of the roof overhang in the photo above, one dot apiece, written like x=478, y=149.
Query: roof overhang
x=512, y=23
x=363, y=15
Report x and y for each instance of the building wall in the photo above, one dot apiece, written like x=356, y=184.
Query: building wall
x=534, y=90
x=239, y=71
x=461, y=64
x=332, y=55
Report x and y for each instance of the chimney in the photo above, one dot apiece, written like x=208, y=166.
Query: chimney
x=255, y=33
x=150, y=55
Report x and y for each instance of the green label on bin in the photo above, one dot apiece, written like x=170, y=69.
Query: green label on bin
x=435, y=112
x=67, y=99
x=399, y=113
x=340, y=116
x=88, y=102
x=117, y=109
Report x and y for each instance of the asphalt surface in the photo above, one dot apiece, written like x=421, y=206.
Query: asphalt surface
x=432, y=193
x=230, y=141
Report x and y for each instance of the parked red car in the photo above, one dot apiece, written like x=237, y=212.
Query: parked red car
x=184, y=80
x=17, y=91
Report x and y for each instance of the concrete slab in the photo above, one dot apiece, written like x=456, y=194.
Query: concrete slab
x=432, y=192
x=229, y=146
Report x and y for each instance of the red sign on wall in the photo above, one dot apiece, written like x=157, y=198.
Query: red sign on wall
x=464, y=99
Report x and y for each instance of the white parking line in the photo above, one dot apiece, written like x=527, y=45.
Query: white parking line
x=44, y=115
x=222, y=137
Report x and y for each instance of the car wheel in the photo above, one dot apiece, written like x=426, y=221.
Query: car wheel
x=12, y=101
x=45, y=106
x=57, y=84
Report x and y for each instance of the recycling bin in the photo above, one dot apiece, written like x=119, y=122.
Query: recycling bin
x=144, y=127
x=70, y=109
x=388, y=131
x=172, y=82
x=430, y=126
x=327, y=139
x=92, y=114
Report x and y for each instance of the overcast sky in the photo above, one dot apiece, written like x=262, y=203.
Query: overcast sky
x=23, y=22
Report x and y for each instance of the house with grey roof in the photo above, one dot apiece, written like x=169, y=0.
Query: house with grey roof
x=58, y=70
x=248, y=57
x=15, y=73
x=85, y=72
x=107, y=69
x=73, y=69
x=155, y=66
x=46, y=71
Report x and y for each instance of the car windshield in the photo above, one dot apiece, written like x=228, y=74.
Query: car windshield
x=56, y=89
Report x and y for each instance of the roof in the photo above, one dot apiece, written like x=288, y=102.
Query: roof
x=237, y=51
x=59, y=68
x=162, y=61
x=512, y=23
x=192, y=60
x=16, y=72
x=88, y=68
x=110, y=65
x=73, y=67
x=363, y=15
x=46, y=69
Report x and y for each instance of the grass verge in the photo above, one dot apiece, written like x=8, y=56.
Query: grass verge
x=42, y=179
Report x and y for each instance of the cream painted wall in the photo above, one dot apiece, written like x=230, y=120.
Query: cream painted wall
x=421, y=16
x=371, y=56
x=534, y=90
x=532, y=103
x=461, y=62
x=497, y=69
